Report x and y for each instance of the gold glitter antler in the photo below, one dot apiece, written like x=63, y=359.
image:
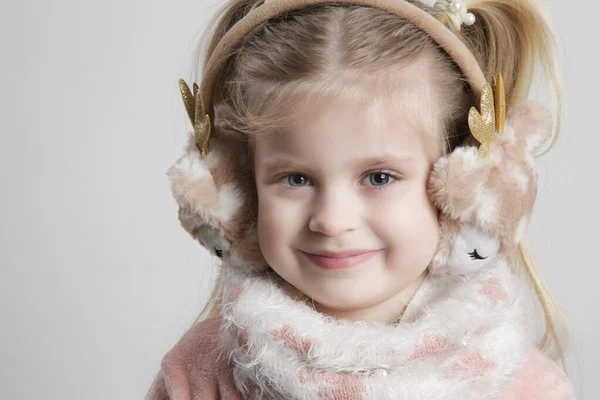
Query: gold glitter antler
x=483, y=126
x=194, y=105
x=499, y=102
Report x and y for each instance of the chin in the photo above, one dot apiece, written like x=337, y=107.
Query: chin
x=347, y=301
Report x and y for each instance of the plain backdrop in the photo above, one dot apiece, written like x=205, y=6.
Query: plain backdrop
x=98, y=280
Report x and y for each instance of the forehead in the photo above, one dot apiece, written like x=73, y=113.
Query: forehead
x=402, y=123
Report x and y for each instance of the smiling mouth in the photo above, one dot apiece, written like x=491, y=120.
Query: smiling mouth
x=333, y=261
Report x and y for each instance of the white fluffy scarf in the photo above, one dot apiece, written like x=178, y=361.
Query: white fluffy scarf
x=459, y=338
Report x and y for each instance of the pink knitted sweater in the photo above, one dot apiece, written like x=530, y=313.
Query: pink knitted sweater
x=193, y=370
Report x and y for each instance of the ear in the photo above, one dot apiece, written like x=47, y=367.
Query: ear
x=532, y=124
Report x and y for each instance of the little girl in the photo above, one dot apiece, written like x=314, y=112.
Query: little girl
x=364, y=170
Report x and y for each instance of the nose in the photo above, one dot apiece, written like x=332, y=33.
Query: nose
x=334, y=213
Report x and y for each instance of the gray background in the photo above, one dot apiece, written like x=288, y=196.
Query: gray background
x=98, y=280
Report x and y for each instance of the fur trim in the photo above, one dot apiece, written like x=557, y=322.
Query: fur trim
x=458, y=338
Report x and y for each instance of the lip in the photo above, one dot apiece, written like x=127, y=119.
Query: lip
x=342, y=260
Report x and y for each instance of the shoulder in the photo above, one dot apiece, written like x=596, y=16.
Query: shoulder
x=201, y=341
x=195, y=367
x=540, y=379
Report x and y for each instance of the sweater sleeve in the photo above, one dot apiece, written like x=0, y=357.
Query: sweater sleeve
x=540, y=379
x=194, y=368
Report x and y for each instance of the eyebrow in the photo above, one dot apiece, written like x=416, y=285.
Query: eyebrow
x=386, y=160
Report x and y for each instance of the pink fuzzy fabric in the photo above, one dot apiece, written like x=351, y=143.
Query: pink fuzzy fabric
x=193, y=370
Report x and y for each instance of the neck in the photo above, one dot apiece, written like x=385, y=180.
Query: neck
x=387, y=311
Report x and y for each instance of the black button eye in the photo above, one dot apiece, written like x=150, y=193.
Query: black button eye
x=475, y=255
x=218, y=252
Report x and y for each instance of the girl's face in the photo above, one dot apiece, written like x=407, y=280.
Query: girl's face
x=343, y=213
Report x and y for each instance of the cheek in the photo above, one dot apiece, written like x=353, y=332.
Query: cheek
x=278, y=223
x=408, y=224
x=268, y=226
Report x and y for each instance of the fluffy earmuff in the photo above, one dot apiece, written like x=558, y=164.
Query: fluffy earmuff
x=217, y=200
x=486, y=204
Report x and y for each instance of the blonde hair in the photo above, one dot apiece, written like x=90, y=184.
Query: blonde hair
x=302, y=54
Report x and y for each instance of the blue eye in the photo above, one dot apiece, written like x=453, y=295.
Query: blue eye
x=379, y=178
x=297, y=180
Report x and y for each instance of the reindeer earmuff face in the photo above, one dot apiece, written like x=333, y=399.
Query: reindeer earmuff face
x=213, y=188
x=472, y=250
x=486, y=196
x=213, y=240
